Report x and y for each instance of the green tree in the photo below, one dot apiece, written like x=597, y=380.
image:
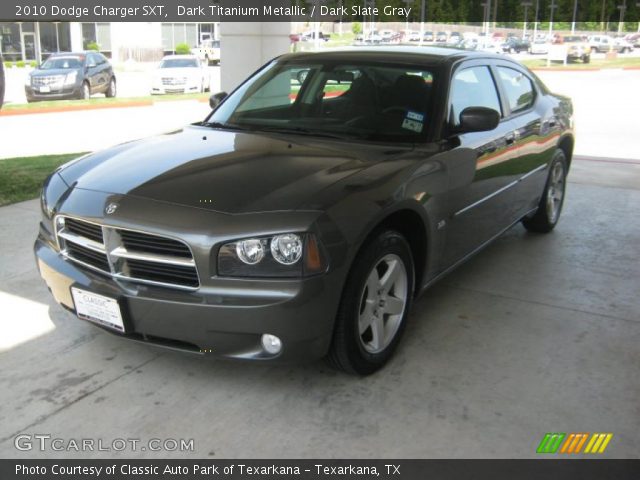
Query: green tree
x=183, y=49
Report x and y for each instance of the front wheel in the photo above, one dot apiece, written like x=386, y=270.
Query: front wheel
x=85, y=93
x=550, y=206
x=586, y=59
x=111, y=91
x=374, y=306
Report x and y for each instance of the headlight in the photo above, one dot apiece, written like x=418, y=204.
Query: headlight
x=286, y=249
x=284, y=255
x=70, y=78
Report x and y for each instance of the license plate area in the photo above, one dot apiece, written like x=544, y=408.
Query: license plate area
x=45, y=89
x=98, y=309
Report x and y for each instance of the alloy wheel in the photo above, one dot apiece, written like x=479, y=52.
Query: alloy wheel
x=382, y=303
x=555, y=192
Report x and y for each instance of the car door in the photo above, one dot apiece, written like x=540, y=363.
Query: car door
x=96, y=73
x=478, y=166
x=535, y=134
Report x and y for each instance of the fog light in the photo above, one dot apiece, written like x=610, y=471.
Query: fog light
x=271, y=343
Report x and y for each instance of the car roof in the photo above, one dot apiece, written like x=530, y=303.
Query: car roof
x=402, y=52
x=190, y=57
x=71, y=54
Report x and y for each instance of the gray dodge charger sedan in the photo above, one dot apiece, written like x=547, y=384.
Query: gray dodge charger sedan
x=304, y=214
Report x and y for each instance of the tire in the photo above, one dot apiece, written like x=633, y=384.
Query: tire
x=85, y=93
x=586, y=58
x=112, y=90
x=552, y=200
x=366, y=301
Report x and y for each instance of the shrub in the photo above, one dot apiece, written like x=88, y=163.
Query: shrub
x=33, y=64
x=20, y=64
x=356, y=28
x=183, y=49
x=93, y=46
x=8, y=64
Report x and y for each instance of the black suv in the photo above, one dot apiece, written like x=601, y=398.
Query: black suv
x=516, y=45
x=71, y=75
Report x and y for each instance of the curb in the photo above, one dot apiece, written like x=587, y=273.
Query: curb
x=73, y=108
x=76, y=108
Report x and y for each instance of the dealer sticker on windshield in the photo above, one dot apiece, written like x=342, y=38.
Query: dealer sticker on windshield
x=413, y=121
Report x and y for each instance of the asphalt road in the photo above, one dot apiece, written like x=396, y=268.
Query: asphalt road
x=538, y=333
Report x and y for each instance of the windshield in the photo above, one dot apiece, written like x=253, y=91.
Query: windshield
x=180, y=63
x=357, y=100
x=55, y=63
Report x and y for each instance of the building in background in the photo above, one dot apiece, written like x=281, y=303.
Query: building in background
x=121, y=41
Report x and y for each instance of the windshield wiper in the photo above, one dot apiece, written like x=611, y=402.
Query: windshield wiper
x=308, y=132
x=225, y=126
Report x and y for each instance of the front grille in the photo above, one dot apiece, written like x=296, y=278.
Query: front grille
x=174, y=81
x=127, y=254
x=88, y=256
x=162, y=273
x=84, y=229
x=136, y=241
x=46, y=80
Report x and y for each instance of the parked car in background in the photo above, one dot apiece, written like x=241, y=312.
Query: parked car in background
x=539, y=47
x=577, y=47
x=180, y=74
x=516, y=45
x=310, y=36
x=1, y=81
x=410, y=36
x=290, y=230
x=455, y=37
x=606, y=43
x=71, y=75
x=208, y=52
x=428, y=36
x=633, y=39
x=442, y=37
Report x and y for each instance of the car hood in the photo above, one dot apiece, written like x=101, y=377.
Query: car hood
x=178, y=72
x=53, y=71
x=230, y=172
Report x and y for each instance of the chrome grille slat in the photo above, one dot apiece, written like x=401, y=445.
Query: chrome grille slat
x=128, y=254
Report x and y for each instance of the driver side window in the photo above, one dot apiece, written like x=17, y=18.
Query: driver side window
x=472, y=87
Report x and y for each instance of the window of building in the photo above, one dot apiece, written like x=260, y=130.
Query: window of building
x=10, y=42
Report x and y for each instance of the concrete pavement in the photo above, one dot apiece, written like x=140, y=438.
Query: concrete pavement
x=537, y=333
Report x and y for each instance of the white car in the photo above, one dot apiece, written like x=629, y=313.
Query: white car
x=539, y=47
x=180, y=74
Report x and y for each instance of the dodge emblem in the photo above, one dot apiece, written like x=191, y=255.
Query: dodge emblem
x=111, y=208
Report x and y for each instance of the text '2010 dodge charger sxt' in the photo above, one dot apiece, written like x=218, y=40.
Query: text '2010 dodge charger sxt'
x=301, y=218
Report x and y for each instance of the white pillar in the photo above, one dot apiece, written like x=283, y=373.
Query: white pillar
x=75, y=31
x=245, y=46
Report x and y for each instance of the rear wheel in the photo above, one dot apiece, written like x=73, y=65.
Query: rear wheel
x=586, y=58
x=375, y=305
x=550, y=206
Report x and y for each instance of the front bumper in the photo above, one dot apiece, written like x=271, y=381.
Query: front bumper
x=170, y=89
x=225, y=321
x=64, y=93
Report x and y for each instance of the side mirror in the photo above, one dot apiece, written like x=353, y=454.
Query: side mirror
x=477, y=119
x=216, y=99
